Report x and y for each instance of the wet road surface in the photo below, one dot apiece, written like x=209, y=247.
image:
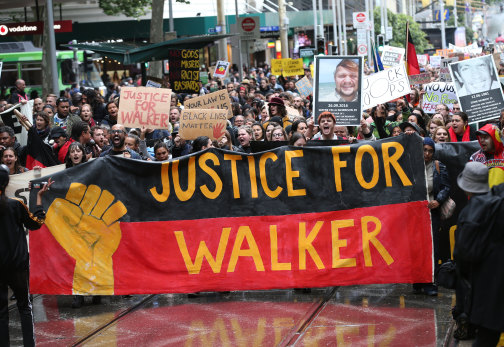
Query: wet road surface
x=371, y=315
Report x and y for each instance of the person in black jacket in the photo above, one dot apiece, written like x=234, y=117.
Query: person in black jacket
x=14, y=260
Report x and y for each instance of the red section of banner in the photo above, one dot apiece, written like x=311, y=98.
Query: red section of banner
x=382, y=244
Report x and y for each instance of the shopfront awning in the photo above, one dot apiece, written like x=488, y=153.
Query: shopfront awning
x=129, y=53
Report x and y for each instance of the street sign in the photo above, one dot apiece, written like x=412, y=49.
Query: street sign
x=389, y=34
x=362, y=47
x=249, y=28
x=437, y=15
x=360, y=20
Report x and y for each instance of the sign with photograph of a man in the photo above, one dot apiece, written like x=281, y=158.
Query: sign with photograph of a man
x=478, y=89
x=337, y=88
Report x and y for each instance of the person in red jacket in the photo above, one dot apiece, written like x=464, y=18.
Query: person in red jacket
x=491, y=153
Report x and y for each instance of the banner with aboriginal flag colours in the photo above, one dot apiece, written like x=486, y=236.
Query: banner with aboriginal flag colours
x=221, y=220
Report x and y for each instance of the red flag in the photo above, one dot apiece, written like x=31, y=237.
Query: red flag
x=411, y=59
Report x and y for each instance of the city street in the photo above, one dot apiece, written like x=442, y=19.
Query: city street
x=371, y=315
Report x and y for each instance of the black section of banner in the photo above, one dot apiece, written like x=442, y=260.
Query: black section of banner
x=309, y=183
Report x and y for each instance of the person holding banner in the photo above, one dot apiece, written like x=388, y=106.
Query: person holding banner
x=14, y=217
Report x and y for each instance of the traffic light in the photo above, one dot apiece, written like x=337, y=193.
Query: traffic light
x=380, y=40
x=88, y=61
x=320, y=45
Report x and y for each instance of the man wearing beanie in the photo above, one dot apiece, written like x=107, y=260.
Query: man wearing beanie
x=479, y=241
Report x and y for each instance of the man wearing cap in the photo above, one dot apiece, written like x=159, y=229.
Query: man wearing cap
x=479, y=241
x=346, y=78
x=61, y=143
x=491, y=153
x=410, y=128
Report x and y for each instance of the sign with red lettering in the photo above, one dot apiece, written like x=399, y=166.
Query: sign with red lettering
x=220, y=220
x=141, y=106
x=203, y=122
x=33, y=28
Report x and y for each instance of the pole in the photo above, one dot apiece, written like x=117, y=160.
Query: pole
x=443, y=33
x=455, y=15
x=368, y=41
x=315, y=36
x=335, y=29
x=382, y=17
x=283, y=29
x=170, y=13
x=385, y=19
x=240, y=62
x=221, y=20
x=340, y=28
x=371, y=18
x=52, y=47
x=343, y=26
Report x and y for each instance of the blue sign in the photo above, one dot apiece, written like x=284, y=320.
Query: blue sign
x=269, y=28
x=217, y=29
x=446, y=15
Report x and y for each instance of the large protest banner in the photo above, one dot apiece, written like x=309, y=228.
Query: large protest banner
x=219, y=220
x=384, y=86
x=337, y=86
x=219, y=100
x=478, y=88
x=144, y=106
x=438, y=93
x=202, y=122
x=184, y=70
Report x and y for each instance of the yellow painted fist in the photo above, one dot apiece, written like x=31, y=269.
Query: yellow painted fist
x=86, y=225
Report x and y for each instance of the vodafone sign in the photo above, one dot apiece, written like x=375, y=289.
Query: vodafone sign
x=33, y=28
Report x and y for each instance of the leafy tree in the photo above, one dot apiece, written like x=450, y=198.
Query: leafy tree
x=398, y=22
x=130, y=8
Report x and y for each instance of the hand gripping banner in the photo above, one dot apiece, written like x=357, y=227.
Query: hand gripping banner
x=221, y=220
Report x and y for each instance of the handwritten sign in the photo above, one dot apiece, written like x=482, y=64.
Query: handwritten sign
x=292, y=67
x=304, y=87
x=141, y=106
x=470, y=49
x=435, y=61
x=184, y=70
x=420, y=78
x=443, y=52
x=423, y=59
x=384, y=86
x=292, y=113
x=221, y=69
x=202, y=122
x=276, y=67
x=438, y=93
x=219, y=99
x=392, y=56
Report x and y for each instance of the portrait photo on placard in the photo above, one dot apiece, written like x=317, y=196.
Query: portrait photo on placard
x=337, y=87
x=478, y=88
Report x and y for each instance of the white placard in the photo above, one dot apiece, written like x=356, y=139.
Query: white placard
x=384, y=86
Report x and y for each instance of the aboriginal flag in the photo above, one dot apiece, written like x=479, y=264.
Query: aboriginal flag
x=37, y=152
x=411, y=58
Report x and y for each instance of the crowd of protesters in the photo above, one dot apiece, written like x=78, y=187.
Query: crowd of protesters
x=83, y=124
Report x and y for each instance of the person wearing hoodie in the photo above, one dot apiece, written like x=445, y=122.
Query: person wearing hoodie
x=491, y=153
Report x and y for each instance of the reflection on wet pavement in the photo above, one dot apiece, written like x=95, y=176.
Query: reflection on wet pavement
x=371, y=315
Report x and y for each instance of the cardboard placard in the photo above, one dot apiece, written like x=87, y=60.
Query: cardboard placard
x=420, y=78
x=423, y=59
x=384, y=86
x=292, y=67
x=304, y=87
x=392, y=56
x=444, y=52
x=219, y=100
x=202, y=122
x=184, y=70
x=292, y=113
x=221, y=69
x=276, y=67
x=470, y=49
x=438, y=93
x=141, y=106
